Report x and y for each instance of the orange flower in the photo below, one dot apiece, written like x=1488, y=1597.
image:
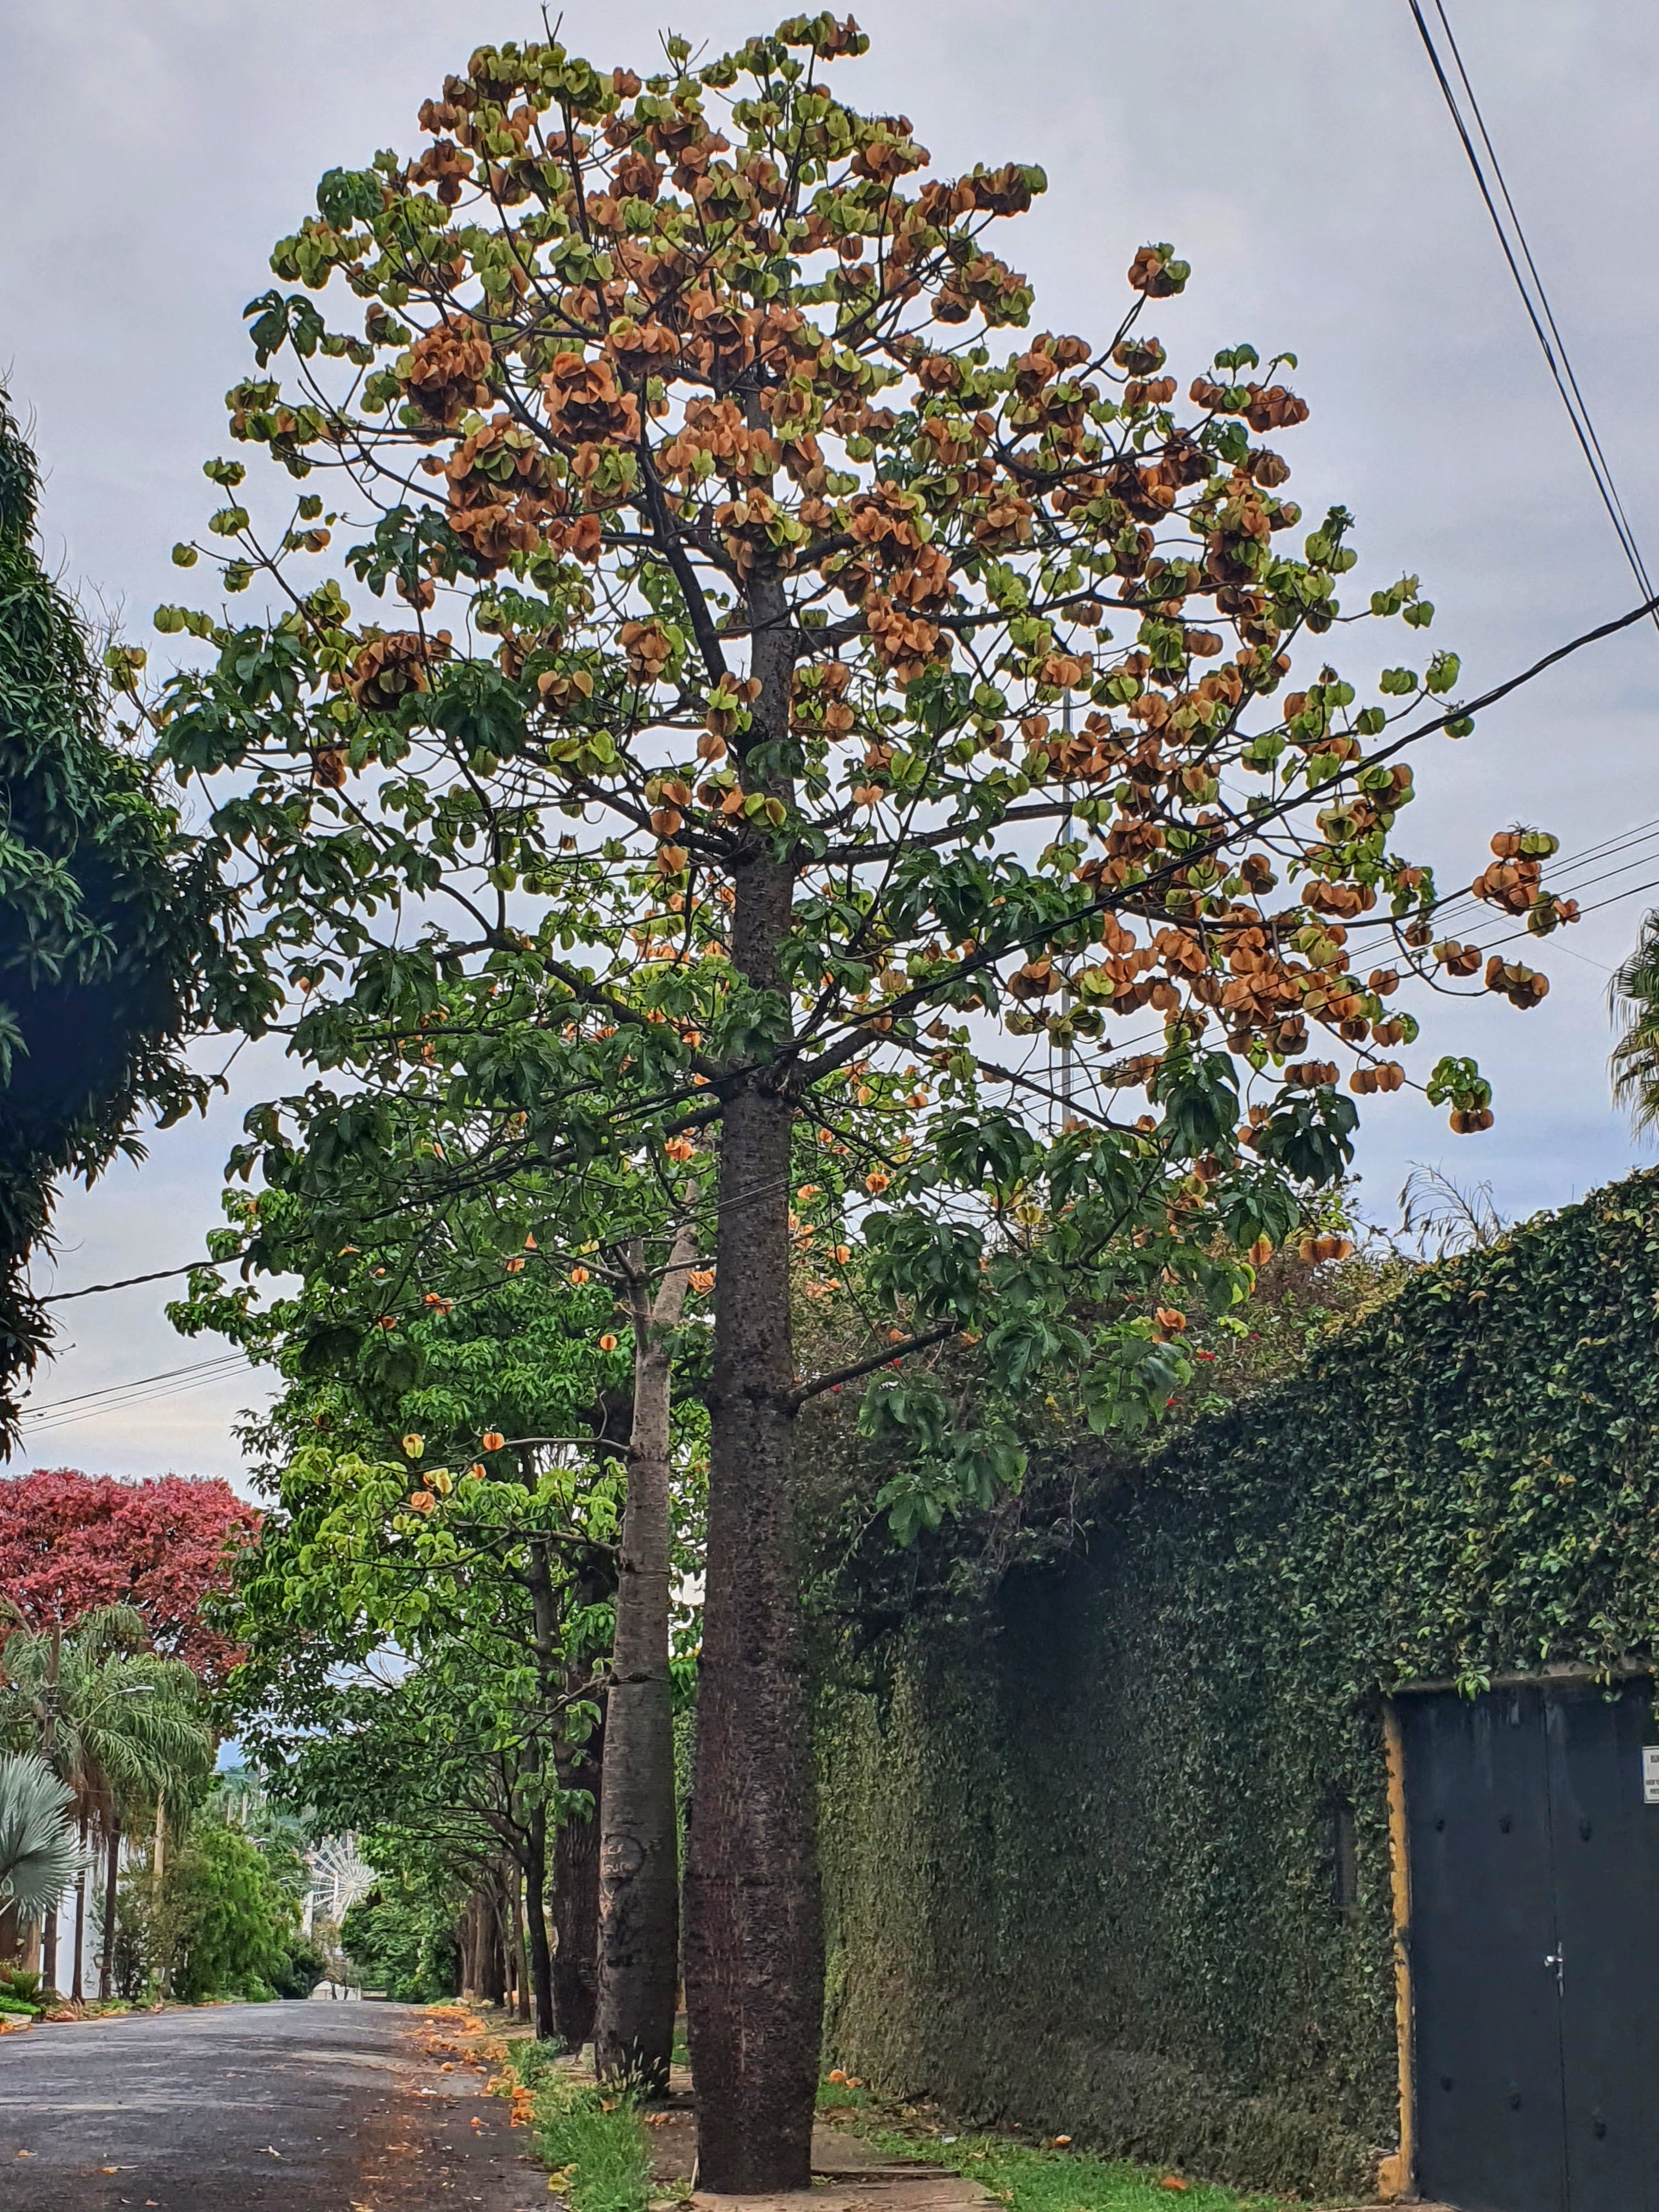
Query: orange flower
x=493, y=1440
x=579, y=1275
x=701, y=1279
x=1171, y=1319
x=875, y=1181
x=421, y=1500
x=607, y=1343
x=680, y=1148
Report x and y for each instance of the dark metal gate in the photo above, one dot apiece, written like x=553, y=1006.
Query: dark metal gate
x=1534, y=1948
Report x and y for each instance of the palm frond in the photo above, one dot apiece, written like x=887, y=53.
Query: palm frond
x=39, y=1854
x=1633, y=1002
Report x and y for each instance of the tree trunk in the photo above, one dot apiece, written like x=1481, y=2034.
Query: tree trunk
x=49, y=1951
x=492, y=1982
x=161, y=1875
x=107, y=1962
x=521, y=1986
x=638, y=1854
x=754, y=1952
x=535, y=1903
x=80, y=1914
x=577, y=1929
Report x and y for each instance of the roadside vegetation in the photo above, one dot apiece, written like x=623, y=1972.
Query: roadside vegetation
x=1026, y=2175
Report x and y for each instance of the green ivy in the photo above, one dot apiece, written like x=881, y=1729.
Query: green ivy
x=1076, y=1856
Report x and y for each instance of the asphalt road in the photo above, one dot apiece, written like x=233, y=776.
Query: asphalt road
x=311, y=2107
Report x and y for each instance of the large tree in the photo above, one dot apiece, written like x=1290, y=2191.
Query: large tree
x=108, y=917
x=71, y=1543
x=908, y=693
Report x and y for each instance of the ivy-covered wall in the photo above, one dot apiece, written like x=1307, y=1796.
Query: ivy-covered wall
x=1079, y=1854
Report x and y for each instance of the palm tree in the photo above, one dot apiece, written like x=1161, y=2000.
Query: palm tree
x=1443, y=1217
x=1633, y=1002
x=37, y=1852
x=120, y=1726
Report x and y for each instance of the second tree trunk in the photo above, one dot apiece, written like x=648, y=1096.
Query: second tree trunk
x=639, y=1869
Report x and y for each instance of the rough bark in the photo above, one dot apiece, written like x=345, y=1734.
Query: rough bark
x=638, y=1847
x=49, y=1950
x=754, y=1951
x=576, y=1925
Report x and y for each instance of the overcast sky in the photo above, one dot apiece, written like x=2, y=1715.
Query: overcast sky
x=1295, y=151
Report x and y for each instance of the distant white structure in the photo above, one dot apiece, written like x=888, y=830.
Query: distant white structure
x=339, y=1877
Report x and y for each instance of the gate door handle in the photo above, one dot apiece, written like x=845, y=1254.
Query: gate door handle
x=1558, y=1961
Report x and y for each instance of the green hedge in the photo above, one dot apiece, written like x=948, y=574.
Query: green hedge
x=1079, y=1854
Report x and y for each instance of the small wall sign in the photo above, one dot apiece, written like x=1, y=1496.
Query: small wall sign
x=1650, y=1774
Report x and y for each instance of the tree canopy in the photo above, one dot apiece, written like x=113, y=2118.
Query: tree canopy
x=72, y=1543
x=109, y=915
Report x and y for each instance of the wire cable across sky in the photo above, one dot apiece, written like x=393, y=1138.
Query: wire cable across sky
x=1495, y=191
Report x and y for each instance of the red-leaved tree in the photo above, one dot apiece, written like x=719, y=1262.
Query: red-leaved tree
x=70, y=1541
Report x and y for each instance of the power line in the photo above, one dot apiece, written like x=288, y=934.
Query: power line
x=86, y=1403
x=156, y=1275
x=1512, y=239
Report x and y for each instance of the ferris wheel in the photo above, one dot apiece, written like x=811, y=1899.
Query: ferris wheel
x=339, y=1877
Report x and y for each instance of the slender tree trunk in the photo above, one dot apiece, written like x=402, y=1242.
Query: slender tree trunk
x=160, y=1874
x=48, y=1739
x=639, y=1869
x=520, y=1983
x=107, y=1963
x=754, y=1950
x=576, y=1926
x=541, y=1956
x=492, y=1982
x=80, y=1914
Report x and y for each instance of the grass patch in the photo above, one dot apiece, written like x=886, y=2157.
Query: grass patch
x=1029, y=2178
x=534, y=2063
x=596, y=2145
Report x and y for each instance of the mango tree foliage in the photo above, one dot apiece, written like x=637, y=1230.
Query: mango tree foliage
x=700, y=623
